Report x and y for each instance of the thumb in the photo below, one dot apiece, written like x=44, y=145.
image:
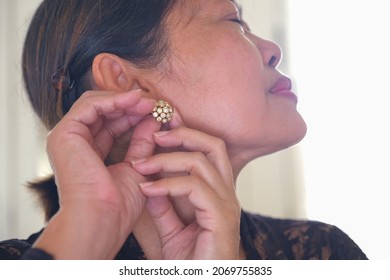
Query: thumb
x=164, y=217
x=177, y=120
x=142, y=144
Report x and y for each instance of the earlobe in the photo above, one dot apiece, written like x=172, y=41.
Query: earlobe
x=110, y=72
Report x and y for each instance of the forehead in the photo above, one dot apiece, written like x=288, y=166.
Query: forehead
x=217, y=4
x=204, y=6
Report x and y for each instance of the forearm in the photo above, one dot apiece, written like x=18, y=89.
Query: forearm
x=82, y=233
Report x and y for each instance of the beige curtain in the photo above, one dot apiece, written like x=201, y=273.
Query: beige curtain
x=20, y=134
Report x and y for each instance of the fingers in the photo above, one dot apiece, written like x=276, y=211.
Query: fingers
x=192, y=140
x=197, y=191
x=202, y=176
x=99, y=117
x=106, y=133
x=218, y=218
x=194, y=164
x=208, y=159
x=202, y=185
x=176, y=121
x=142, y=144
x=110, y=105
x=164, y=217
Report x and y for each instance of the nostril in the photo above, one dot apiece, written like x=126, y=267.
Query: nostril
x=273, y=61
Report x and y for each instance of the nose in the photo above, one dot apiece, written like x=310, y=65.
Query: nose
x=271, y=52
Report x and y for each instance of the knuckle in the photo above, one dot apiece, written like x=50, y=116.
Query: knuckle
x=220, y=145
x=88, y=98
x=199, y=158
x=195, y=180
x=53, y=138
x=84, y=97
x=88, y=94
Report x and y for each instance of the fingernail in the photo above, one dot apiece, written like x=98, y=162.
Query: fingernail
x=139, y=90
x=161, y=133
x=138, y=161
x=145, y=184
x=151, y=101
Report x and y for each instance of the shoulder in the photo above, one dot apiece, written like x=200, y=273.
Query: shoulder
x=298, y=239
x=14, y=249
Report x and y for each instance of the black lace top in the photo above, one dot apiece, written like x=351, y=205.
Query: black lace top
x=262, y=238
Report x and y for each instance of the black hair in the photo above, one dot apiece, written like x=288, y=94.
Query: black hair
x=65, y=36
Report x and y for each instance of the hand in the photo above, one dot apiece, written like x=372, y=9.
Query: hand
x=206, y=180
x=99, y=205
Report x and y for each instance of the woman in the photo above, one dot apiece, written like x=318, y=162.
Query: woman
x=131, y=187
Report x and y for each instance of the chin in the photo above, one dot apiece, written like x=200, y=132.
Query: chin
x=292, y=135
x=299, y=132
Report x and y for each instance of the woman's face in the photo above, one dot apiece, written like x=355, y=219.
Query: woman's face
x=223, y=81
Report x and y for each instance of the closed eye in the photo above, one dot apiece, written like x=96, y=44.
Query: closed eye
x=241, y=22
x=237, y=20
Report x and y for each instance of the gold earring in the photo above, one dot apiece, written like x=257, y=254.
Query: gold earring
x=162, y=111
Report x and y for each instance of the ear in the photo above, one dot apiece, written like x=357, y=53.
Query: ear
x=110, y=72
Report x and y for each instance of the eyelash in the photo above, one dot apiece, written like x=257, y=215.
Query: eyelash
x=242, y=23
x=237, y=20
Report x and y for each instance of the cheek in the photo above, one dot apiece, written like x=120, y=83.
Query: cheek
x=230, y=111
x=220, y=92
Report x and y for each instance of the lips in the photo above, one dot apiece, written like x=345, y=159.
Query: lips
x=283, y=88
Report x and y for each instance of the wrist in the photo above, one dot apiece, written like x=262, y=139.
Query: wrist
x=82, y=233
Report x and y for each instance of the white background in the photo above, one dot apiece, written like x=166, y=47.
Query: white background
x=340, y=60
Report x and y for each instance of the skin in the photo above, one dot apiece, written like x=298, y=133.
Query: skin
x=174, y=188
x=231, y=103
